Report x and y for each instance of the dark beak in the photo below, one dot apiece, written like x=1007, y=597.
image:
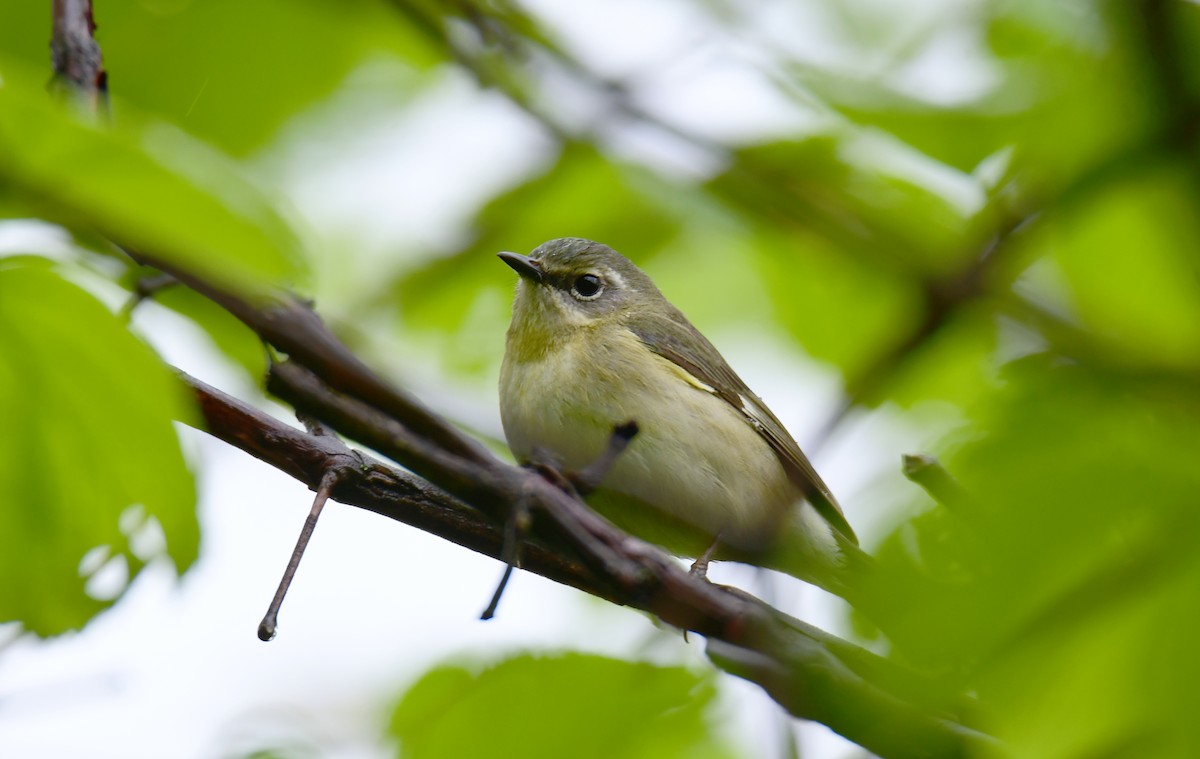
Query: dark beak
x=523, y=265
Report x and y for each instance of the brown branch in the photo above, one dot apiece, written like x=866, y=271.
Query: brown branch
x=74, y=52
x=515, y=530
x=372, y=485
x=292, y=327
x=491, y=486
x=581, y=483
x=850, y=689
x=270, y=621
x=574, y=545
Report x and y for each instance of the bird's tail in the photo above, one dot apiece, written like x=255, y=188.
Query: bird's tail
x=836, y=564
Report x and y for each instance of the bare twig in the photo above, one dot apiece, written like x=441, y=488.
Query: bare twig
x=514, y=537
x=490, y=485
x=266, y=628
x=145, y=288
x=944, y=300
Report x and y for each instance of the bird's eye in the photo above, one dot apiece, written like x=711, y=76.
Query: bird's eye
x=587, y=287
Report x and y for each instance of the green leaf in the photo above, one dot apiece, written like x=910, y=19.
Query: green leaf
x=1068, y=587
x=469, y=294
x=560, y=705
x=838, y=307
x=1128, y=259
x=865, y=194
x=145, y=185
x=960, y=136
x=229, y=72
x=88, y=458
x=957, y=363
x=1073, y=90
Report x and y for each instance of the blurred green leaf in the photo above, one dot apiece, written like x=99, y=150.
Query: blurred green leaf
x=1062, y=597
x=1076, y=573
x=559, y=705
x=229, y=72
x=1129, y=263
x=468, y=295
x=1077, y=88
x=839, y=308
x=961, y=136
x=956, y=364
x=859, y=193
x=145, y=185
x=88, y=457
x=584, y=194
x=233, y=338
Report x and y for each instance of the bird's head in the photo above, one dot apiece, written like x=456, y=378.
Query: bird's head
x=573, y=283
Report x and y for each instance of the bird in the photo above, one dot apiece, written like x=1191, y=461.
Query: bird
x=592, y=344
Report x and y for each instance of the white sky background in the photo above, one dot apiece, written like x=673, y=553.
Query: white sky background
x=176, y=672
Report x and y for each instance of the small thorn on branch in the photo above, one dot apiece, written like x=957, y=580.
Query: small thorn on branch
x=268, y=626
x=315, y=426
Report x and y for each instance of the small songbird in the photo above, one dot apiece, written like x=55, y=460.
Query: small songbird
x=594, y=344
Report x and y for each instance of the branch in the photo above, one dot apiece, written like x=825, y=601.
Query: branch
x=874, y=702
x=370, y=485
x=292, y=327
x=74, y=51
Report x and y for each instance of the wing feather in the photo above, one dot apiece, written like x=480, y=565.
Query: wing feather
x=663, y=333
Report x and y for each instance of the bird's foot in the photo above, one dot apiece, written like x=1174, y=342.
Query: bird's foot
x=700, y=565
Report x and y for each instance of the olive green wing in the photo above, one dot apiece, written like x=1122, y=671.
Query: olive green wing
x=673, y=337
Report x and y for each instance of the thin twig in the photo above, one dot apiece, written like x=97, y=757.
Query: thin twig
x=375, y=486
x=514, y=537
x=291, y=326
x=266, y=628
